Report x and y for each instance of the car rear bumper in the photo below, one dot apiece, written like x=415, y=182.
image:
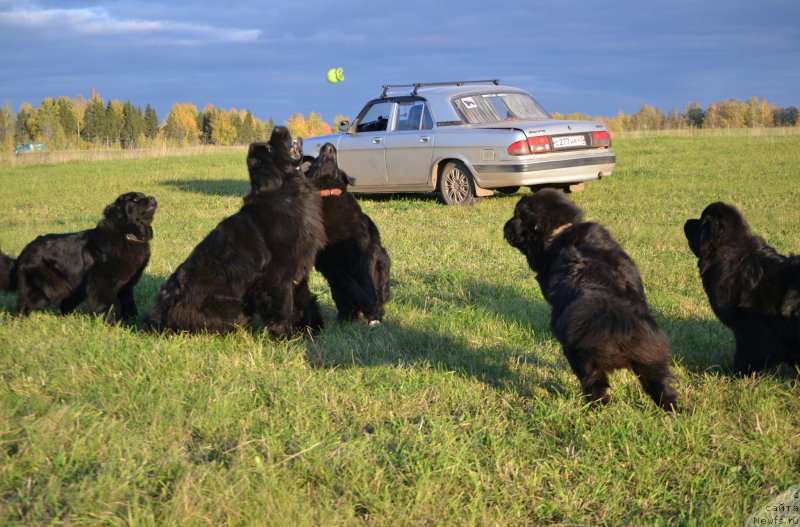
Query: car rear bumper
x=566, y=170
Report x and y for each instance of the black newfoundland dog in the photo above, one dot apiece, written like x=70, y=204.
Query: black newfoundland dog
x=354, y=262
x=102, y=264
x=751, y=288
x=599, y=311
x=255, y=261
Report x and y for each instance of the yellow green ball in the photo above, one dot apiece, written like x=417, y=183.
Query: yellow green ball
x=335, y=75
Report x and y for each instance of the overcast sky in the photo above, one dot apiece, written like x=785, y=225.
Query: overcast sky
x=574, y=56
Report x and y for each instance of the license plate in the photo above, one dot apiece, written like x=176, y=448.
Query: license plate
x=569, y=141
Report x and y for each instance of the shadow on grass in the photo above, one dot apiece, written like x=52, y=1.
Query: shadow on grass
x=498, y=365
x=211, y=187
x=356, y=346
x=699, y=345
x=8, y=302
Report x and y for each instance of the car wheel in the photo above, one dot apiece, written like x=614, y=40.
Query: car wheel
x=507, y=190
x=456, y=185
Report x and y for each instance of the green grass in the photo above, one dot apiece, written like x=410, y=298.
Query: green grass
x=459, y=410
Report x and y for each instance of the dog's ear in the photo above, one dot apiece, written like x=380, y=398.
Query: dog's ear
x=264, y=176
x=113, y=216
x=115, y=211
x=711, y=232
x=691, y=229
x=347, y=180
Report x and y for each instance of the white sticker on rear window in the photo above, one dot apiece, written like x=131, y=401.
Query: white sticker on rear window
x=468, y=103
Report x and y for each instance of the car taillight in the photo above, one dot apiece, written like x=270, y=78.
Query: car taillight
x=539, y=144
x=533, y=145
x=520, y=148
x=600, y=139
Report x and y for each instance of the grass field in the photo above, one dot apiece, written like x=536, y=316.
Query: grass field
x=459, y=410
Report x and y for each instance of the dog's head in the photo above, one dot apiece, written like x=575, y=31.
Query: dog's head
x=269, y=163
x=131, y=213
x=537, y=219
x=324, y=172
x=719, y=225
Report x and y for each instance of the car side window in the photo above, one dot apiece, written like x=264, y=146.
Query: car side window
x=413, y=115
x=377, y=117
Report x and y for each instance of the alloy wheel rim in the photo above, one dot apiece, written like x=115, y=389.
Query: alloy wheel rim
x=456, y=186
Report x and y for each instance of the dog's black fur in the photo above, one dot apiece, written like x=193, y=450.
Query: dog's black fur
x=599, y=311
x=102, y=264
x=354, y=262
x=255, y=261
x=752, y=289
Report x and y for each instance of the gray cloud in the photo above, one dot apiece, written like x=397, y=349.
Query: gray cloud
x=97, y=21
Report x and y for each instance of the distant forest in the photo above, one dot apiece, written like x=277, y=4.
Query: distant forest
x=77, y=123
x=728, y=113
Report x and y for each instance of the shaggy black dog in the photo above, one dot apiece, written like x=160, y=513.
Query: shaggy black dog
x=255, y=261
x=354, y=262
x=102, y=264
x=599, y=311
x=752, y=289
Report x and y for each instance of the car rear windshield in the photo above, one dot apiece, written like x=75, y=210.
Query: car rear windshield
x=499, y=106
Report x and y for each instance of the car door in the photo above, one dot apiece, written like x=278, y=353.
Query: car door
x=409, y=146
x=362, y=152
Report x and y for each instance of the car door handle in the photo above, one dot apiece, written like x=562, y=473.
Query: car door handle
x=424, y=139
x=377, y=140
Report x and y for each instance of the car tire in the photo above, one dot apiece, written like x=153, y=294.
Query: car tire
x=456, y=185
x=507, y=190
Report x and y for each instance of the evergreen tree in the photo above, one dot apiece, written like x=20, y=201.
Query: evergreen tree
x=150, y=123
x=266, y=131
x=790, y=116
x=114, y=122
x=247, y=134
x=206, y=117
x=67, y=118
x=132, y=125
x=94, y=127
x=695, y=115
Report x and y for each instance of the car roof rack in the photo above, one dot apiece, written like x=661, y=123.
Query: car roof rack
x=418, y=85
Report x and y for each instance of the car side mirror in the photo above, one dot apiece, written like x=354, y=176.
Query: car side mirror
x=344, y=126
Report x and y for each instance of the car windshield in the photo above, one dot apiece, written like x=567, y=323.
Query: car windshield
x=497, y=107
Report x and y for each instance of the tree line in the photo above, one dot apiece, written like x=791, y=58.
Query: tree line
x=76, y=123
x=728, y=113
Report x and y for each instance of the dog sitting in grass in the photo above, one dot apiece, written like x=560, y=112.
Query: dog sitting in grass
x=256, y=261
x=752, y=289
x=101, y=265
x=353, y=261
x=599, y=312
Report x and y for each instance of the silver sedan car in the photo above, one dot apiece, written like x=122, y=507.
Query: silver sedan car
x=465, y=140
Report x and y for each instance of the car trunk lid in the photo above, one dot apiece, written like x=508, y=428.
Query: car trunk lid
x=555, y=136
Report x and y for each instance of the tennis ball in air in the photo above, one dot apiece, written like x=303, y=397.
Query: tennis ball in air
x=335, y=75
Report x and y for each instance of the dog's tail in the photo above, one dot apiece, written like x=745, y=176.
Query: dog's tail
x=601, y=319
x=8, y=273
